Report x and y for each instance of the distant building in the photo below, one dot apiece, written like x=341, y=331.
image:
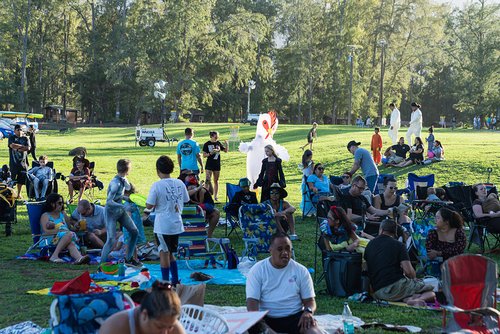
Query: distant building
x=56, y=114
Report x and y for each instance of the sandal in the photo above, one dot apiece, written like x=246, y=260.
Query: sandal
x=83, y=260
x=56, y=260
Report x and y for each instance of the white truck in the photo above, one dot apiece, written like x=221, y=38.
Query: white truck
x=149, y=136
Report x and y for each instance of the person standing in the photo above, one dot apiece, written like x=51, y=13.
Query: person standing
x=19, y=147
x=167, y=197
x=415, y=127
x=271, y=172
x=188, y=153
x=311, y=136
x=430, y=140
x=32, y=138
x=376, y=146
x=115, y=212
x=395, y=123
x=363, y=160
x=211, y=151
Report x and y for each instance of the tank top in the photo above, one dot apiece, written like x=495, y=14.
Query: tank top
x=58, y=222
x=385, y=207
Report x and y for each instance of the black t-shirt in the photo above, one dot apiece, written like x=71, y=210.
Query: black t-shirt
x=401, y=150
x=417, y=156
x=18, y=159
x=355, y=203
x=213, y=161
x=244, y=198
x=383, y=256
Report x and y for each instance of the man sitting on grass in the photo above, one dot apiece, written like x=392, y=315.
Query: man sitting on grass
x=391, y=274
x=283, y=287
x=93, y=214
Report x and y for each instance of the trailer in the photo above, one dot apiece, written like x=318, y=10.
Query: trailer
x=149, y=136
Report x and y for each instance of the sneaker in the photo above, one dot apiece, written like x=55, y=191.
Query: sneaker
x=133, y=263
x=294, y=237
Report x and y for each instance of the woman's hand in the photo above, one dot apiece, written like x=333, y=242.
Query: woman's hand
x=432, y=254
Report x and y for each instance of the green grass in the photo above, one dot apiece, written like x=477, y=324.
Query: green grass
x=468, y=154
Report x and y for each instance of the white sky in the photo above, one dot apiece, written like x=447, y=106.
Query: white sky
x=461, y=3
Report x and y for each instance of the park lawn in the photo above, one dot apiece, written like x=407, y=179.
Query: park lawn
x=469, y=153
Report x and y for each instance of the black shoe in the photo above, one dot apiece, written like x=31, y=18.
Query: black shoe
x=133, y=263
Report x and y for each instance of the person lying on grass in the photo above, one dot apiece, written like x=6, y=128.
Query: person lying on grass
x=54, y=221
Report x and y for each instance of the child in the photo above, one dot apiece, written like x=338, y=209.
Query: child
x=311, y=135
x=376, y=146
x=430, y=141
x=271, y=172
x=41, y=175
x=167, y=197
x=5, y=175
x=134, y=213
x=115, y=212
x=79, y=179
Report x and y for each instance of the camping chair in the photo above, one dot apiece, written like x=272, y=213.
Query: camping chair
x=308, y=200
x=231, y=190
x=422, y=181
x=194, y=243
x=379, y=189
x=53, y=186
x=8, y=208
x=85, y=313
x=258, y=225
x=196, y=319
x=89, y=192
x=470, y=287
x=322, y=212
x=41, y=243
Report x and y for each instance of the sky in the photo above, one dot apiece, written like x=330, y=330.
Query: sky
x=461, y=3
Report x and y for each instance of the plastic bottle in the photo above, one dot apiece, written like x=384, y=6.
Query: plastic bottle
x=347, y=319
x=121, y=270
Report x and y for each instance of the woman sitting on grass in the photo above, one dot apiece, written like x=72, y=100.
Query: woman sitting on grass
x=159, y=313
x=54, y=222
x=448, y=239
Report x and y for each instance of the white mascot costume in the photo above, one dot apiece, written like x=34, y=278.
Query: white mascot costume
x=394, y=125
x=415, y=126
x=266, y=127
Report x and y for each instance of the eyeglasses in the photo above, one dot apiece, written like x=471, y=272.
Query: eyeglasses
x=359, y=187
x=393, y=188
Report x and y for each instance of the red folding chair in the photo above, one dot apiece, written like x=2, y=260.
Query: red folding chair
x=470, y=285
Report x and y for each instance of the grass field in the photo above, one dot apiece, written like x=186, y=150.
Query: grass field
x=468, y=153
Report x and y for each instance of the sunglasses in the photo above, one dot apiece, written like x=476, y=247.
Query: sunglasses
x=346, y=176
x=392, y=188
x=274, y=193
x=163, y=285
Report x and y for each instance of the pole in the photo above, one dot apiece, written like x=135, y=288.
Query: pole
x=381, y=92
x=248, y=102
x=349, y=115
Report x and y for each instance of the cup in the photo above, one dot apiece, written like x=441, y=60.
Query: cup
x=83, y=225
x=83, y=250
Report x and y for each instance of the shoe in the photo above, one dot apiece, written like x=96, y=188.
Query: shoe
x=56, y=260
x=133, y=263
x=83, y=260
x=294, y=237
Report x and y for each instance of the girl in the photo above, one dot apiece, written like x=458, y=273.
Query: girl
x=211, y=151
x=271, y=172
x=306, y=167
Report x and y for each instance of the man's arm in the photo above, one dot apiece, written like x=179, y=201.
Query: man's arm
x=408, y=269
x=355, y=167
x=198, y=157
x=378, y=212
x=179, y=161
x=252, y=304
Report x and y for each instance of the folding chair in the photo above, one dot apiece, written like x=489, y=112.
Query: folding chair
x=322, y=212
x=231, y=220
x=41, y=243
x=196, y=319
x=379, y=189
x=53, y=186
x=307, y=206
x=258, y=225
x=194, y=243
x=85, y=313
x=470, y=287
x=422, y=181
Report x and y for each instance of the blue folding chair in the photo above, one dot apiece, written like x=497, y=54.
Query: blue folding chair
x=258, y=225
x=231, y=220
x=420, y=181
x=379, y=189
x=41, y=243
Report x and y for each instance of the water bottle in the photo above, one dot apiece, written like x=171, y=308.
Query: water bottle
x=121, y=270
x=347, y=319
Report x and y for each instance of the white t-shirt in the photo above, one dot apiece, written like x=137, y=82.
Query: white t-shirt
x=280, y=291
x=168, y=197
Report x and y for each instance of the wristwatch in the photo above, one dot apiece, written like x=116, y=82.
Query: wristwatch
x=308, y=309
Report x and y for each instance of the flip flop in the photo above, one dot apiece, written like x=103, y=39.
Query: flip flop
x=56, y=260
x=83, y=260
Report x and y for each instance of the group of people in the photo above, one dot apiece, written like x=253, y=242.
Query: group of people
x=489, y=122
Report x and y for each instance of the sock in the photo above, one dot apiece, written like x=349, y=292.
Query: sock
x=175, y=272
x=165, y=274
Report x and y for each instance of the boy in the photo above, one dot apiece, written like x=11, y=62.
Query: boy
x=41, y=175
x=376, y=146
x=167, y=197
x=311, y=135
x=115, y=212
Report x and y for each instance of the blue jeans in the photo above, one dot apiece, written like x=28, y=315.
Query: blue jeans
x=372, y=182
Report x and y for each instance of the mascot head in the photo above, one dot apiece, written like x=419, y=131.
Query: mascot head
x=267, y=125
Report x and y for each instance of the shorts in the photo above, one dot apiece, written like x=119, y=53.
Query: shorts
x=396, y=159
x=18, y=174
x=212, y=165
x=207, y=207
x=402, y=289
x=288, y=324
x=167, y=243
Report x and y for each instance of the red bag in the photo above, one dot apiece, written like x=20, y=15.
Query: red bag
x=80, y=284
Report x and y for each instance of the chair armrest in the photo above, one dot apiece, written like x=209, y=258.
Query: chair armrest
x=488, y=311
x=54, y=321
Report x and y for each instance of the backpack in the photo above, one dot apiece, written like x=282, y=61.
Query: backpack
x=231, y=255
